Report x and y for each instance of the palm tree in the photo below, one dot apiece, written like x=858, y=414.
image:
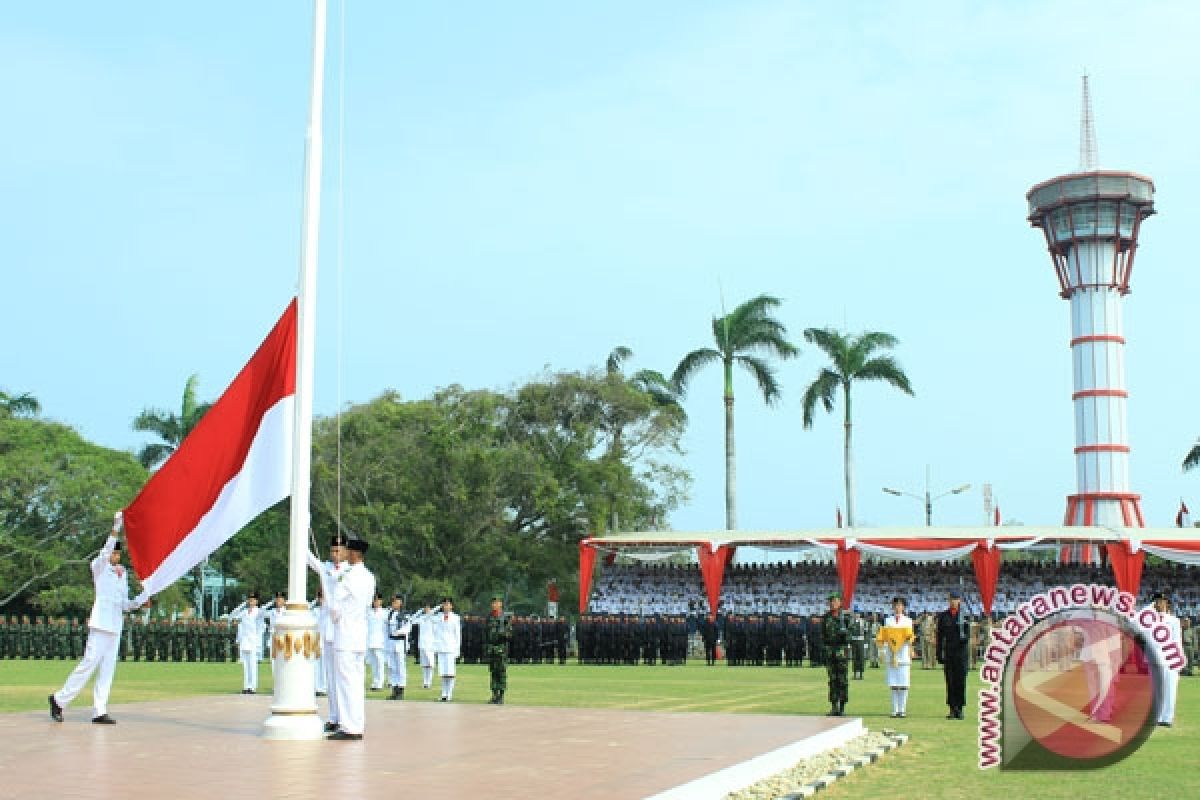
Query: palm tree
x=18, y=405
x=171, y=428
x=1193, y=457
x=740, y=336
x=851, y=359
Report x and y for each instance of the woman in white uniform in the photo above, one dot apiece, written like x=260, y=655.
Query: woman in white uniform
x=895, y=650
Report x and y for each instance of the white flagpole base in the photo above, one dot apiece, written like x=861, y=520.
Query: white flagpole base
x=295, y=650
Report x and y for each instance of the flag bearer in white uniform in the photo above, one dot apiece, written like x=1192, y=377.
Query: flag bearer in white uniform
x=398, y=629
x=895, y=639
x=111, y=581
x=1169, y=678
x=329, y=572
x=250, y=619
x=376, y=641
x=423, y=619
x=349, y=607
x=447, y=643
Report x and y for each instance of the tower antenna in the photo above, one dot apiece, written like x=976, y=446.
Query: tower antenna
x=1087, y=132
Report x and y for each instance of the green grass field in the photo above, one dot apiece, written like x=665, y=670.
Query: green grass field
x=939, y=761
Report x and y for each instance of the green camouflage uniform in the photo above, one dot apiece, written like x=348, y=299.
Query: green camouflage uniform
x=497, y=634
x=835, y=635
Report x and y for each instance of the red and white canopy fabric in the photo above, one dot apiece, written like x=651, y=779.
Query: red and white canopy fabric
x=234, y=465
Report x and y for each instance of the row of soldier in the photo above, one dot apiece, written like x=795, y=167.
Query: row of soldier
x=534, y=640
x=155, y=639
x=621, y=639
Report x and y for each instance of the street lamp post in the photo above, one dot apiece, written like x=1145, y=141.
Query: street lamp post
x=928, y=498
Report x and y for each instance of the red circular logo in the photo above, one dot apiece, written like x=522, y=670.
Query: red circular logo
x=1083, y=687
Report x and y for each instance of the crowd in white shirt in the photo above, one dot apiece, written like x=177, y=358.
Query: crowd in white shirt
x=801, y=588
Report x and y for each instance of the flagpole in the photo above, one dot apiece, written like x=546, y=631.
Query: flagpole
x=296, y=642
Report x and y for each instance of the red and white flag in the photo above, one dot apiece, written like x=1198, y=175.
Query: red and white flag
x=1183, y=519
x=996, y=517
x=235, y=464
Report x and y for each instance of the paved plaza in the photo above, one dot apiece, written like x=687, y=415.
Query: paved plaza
x=210, y=747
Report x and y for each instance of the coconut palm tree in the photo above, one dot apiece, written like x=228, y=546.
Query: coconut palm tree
x=1193, y=457
x=170, y=428
x=19, y=405
x=851, y=359
x=746, y=336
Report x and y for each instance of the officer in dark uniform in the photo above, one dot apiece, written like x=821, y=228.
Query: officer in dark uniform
x=708, y=633
x=953, y=653
x=858, y=645
x=816, y=646
x=835, y=635
x=497, y=633
x=562, y=633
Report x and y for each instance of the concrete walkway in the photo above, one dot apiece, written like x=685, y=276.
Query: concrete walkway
x=209, y=747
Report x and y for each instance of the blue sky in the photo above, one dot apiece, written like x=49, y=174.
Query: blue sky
x=528, y=185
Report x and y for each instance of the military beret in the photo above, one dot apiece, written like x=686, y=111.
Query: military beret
x=398, y=596
x=357, y=544
x=834, y=596
x=1161, y=596
x=497, y=596
x=955, y=594
x=252, y=596
x=338, y=540
x=448, y=599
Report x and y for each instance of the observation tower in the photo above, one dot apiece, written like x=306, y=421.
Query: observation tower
x=1091, y=220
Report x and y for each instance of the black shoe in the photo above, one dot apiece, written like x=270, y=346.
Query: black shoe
x=331, y=727
x=952, y=715
x=342, y=736
x=55, y=710
x=103, y=719
x=445, y=699
x=399, y=692
x=833, y=712
x=320, y=694
x=500, y=700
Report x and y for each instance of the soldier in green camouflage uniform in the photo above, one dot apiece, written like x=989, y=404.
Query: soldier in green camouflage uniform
x=835, y=634
x=497, y=633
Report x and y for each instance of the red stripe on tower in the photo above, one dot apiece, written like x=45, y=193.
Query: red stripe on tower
x=234, y=465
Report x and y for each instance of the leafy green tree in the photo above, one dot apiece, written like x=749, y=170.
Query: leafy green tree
x=473, y=491
x=747, y=336
x=58, y=493
x=18, y=405
x=639, y=411
x=169, y=427
x=851, y=359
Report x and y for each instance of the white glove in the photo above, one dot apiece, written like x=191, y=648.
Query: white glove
x=141, y=599
x=118, y=521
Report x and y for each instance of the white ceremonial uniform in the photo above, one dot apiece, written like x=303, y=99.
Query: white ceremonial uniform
x=398, y=629
x=104, y=631
x=328, y=572
x=424, y=621
x=376, y=640
x=446, y=645
x=895, y=651
x=249, y=640
x=1169, y=678
x=352, y=596
x=271, y=616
